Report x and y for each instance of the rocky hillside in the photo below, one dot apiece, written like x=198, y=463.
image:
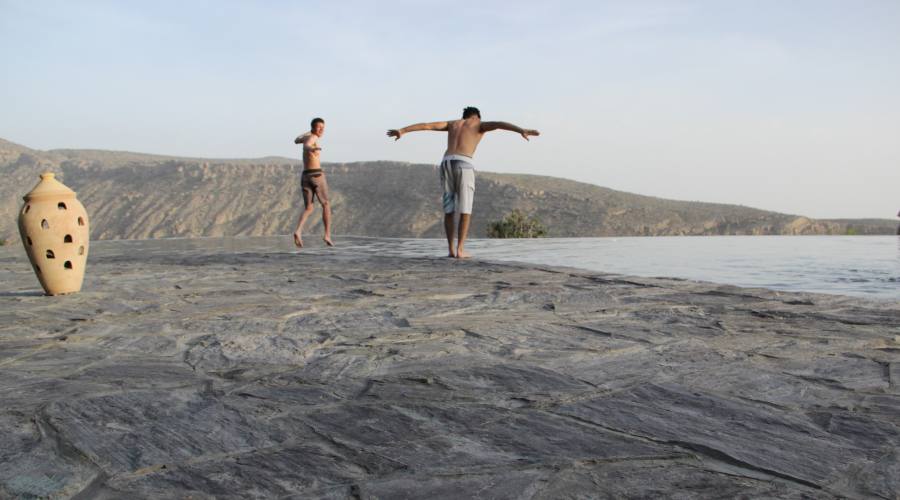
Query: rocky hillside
x=132, y=195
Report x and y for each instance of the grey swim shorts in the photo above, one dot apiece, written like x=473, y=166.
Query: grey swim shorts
x=458, y=181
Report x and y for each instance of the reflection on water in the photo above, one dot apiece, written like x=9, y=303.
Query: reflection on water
x=866, y=266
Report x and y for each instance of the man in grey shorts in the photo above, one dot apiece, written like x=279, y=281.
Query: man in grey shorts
x=457, y=168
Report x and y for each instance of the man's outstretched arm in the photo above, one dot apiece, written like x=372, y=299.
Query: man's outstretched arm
x=524, y=132
x=302, y=138
x=397, y=133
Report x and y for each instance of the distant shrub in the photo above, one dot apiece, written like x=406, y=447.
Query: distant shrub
x=851, y=231
x=516, y=225
x=3, y=242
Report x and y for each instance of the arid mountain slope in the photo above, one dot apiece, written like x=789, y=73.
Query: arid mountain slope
x=133, y=195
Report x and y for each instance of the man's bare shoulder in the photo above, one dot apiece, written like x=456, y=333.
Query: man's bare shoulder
x=474, y=127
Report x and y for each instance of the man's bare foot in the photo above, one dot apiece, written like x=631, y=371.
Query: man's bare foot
x=328, y=241
x=451, y=255
x=462, y=254
x=298, y=240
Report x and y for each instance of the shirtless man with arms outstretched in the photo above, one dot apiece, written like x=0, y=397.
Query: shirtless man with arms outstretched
x=313, y=181
x=457, y=168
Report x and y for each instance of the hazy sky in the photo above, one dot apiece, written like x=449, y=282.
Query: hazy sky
x=789, y=106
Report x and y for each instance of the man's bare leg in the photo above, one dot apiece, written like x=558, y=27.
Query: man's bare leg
x=449, y=229
x=463, y=232
x=326, y=221
x=298, y=233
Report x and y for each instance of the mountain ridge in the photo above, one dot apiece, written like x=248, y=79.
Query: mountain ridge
x=141, y=195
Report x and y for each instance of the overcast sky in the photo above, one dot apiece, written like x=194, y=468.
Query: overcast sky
x=788, y=106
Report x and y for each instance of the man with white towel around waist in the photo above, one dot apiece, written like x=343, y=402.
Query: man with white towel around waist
x=458, y=169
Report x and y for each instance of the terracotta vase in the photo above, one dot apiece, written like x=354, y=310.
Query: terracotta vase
x=54, y=229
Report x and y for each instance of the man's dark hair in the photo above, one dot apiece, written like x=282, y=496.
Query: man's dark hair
x=470, y=111
x=314, y=121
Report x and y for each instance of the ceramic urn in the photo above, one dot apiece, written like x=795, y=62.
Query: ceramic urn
x=54, y=229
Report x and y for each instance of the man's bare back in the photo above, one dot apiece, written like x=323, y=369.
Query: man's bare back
x=463, y=136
